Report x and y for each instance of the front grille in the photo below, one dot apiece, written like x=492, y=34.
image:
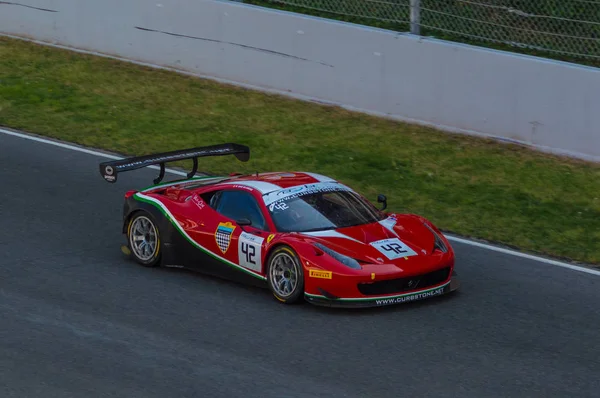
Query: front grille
x=401, y=285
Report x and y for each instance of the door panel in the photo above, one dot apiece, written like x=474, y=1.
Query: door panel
x=242, y=246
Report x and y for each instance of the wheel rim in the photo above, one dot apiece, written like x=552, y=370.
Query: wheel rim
x=143, y=238
x=283, y=274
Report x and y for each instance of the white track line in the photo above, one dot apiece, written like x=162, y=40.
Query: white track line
x=523, y=255
x=451, y=238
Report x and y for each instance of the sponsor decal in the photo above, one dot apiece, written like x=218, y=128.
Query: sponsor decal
x=247, y=188
x=281, y=205
x=109, y=174
x=287, y=191
x=223, y=235
x=249, y=251
x=198, y=201
x=412, y=297
x=315, y=273
x=169, y=158
x=393, y=248
x=294, y=192
x=270, y=238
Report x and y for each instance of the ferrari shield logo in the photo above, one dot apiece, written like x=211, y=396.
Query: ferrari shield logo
x=223, y=235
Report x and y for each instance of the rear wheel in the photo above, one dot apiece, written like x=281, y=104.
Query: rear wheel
x=285, y=275
x=144, y=239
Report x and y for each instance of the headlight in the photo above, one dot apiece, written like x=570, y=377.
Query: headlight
x=438, y=242
x=347, y=261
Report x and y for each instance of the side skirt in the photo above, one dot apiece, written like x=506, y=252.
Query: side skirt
x=179, y=252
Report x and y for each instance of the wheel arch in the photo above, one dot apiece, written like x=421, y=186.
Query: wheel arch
x=133, y=207
x=167, y=230
x=127, y=219
x=297, y=297
x=271, y=249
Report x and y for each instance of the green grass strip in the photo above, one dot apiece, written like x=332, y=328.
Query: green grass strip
x=472, y=187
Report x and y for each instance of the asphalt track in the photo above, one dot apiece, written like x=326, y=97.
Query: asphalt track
x=77, y=320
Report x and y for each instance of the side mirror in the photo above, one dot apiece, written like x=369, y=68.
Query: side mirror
x=242, y=222
x=382, y=199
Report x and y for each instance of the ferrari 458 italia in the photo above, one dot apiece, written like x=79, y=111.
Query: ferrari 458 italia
x=304, y=236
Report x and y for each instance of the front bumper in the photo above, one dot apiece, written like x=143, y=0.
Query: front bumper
x=381, y=301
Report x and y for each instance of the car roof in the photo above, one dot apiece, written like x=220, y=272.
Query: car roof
x=274, y=181
x=262, y=182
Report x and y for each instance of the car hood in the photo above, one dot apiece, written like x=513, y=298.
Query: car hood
x=378, y=242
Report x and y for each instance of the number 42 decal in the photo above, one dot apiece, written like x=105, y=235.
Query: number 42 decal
x=249, y=251
x=393, y=248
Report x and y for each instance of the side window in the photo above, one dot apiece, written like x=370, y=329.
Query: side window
x=239, y=204
x=211, y=198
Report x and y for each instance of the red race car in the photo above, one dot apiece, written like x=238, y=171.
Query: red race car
x=303, y=235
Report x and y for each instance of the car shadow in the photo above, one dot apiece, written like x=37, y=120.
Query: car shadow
x=307, y=307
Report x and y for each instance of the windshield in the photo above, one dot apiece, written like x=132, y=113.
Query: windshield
x=322, y=210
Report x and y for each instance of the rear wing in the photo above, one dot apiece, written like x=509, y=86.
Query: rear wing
x=110, y=170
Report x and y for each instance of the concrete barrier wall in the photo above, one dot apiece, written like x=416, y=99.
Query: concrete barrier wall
x=554, y=106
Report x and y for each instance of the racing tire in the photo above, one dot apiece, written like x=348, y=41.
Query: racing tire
x=285, y=275
x=143, y=239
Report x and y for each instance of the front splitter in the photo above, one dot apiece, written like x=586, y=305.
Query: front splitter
x=441, y=290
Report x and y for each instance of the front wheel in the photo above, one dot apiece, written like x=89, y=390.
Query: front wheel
x=144, y=239
x=285, y=275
